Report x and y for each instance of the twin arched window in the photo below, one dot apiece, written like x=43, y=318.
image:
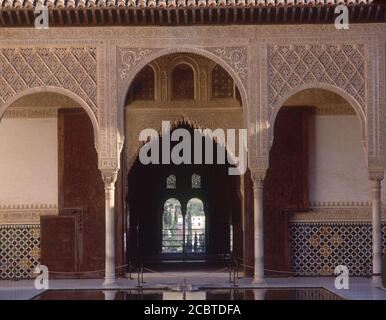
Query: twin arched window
x=183, y=233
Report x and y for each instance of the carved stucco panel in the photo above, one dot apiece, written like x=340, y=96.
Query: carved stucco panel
x=377, y=112
x=128, y=58
x=293, y=65
x=71, y=68
x=236, y=58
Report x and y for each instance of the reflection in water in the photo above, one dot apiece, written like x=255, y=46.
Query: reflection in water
x=110, y=294
x=259, y=294
x=213, y=294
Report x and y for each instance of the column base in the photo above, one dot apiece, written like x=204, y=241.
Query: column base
x=110, y=283
x=376, y=281
x=259, y=280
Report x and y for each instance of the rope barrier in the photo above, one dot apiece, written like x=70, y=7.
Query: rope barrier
x=229, y=268
x=271, y=270
x=83, y=272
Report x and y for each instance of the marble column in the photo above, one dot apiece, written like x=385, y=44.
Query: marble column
x=109, y=178
x=258, y=179
x=376, y=177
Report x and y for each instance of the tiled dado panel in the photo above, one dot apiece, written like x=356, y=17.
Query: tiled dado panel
x=19, y=250
x=318, y=247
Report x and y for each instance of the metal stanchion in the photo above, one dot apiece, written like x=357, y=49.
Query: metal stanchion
x=142, y=269
x=234, y=277
x=139, y=277
x=237, y=271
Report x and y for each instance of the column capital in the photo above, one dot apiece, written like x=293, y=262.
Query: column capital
x=109, y=176
x=376, y=174
x=258, y=176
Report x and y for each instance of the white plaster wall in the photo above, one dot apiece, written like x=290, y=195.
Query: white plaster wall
x=28, y=161
x=337, y=170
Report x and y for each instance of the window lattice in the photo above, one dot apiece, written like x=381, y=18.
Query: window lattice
x=171, y=182
x=196, y=181
x=222, y=83
x=183, y=82
x=143, y=86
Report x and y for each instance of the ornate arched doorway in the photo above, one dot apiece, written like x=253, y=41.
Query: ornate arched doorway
x=191, y=92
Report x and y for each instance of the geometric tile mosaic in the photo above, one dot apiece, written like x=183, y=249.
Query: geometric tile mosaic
x=318, y=247
x=19, y=251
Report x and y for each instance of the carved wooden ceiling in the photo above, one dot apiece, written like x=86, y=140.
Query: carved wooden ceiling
x=16, y=13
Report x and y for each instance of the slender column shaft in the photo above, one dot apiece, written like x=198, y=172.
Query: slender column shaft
x=376, y=224
x=258, y=229
x=110, y=230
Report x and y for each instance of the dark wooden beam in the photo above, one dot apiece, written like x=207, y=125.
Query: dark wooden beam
x=94, y=18
x=361, y=10
x=2, y=17
x=135, y=16
x=10, y=18
x=310, y=12
x=110, y=16
x=127, y=16
x=26, y=16
x=369, y=10
x=293, y=15
x=377, y=12
x=77, y=19
x=18, y=17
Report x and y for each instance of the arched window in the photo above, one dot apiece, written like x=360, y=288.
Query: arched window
x=171, y=182
x=172, y=227
x=196, y=181
x=143, y=85
x=195, y=227
x=182, y=82
x=222, y=83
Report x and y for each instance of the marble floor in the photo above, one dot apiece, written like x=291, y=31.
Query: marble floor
x=359, y=288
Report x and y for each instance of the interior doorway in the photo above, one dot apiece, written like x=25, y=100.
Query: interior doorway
x=182, y=212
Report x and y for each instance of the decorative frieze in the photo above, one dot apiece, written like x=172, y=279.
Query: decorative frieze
x=31, y=113
x=334, y=110
x=14, y=214
x=337, y=212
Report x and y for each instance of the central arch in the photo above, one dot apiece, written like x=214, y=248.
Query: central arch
x=122, y=94
x=217, y=103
